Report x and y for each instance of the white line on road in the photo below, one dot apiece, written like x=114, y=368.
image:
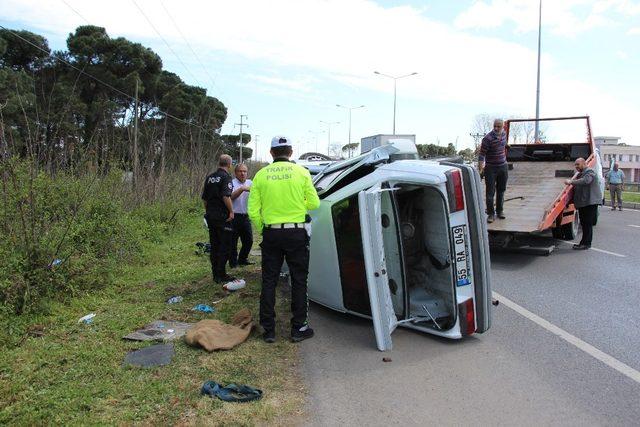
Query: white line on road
x=608, y=360
x=608, y=252
x=636, y=226
x=598, y=250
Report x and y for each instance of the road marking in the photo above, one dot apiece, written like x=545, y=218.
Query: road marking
x=598, y=250
x=608, y=360
x=636, y=226
x=608, y=252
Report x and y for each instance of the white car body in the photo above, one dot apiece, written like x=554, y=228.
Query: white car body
x=402, y=241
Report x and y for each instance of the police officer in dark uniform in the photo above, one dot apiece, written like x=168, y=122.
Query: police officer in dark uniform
x=219, y=214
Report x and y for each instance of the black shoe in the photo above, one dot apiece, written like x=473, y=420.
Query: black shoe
x=581, y=247
x=233, y=265
x=269, y=337
x=301, y=334
x=501, y=215
x=613, y=208
x=491, y=218
x=620, y=208
x=245, y=263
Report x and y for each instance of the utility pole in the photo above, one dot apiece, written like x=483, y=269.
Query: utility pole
x=537, y=130
x=329, y=135
x=241, y=124
x=135, y=139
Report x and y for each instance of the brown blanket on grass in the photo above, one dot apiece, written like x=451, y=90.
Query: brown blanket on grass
x=216, y=335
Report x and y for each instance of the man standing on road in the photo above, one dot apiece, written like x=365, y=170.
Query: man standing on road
x=219, y=214
x=492, y=163
x=281, y=195
x=615, y=181
x=241, y=223
x=587, y=195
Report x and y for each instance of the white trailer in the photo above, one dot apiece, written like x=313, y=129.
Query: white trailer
x=368, y=143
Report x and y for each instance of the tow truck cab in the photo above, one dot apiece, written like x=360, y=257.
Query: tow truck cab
x=402, y=241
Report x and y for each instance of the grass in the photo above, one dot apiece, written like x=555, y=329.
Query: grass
x=73, y=373
x=627, y=196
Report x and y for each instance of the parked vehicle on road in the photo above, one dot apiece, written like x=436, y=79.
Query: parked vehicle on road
x=402, y=241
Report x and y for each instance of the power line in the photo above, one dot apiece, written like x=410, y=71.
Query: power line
x=75, y=11
x=101, y=81
x=189, y=45
x=165, y=42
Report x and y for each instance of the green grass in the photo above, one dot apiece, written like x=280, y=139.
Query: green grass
x=627, y=196
x=73, y=373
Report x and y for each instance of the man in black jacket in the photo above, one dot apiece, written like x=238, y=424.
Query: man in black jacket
x=219, y=214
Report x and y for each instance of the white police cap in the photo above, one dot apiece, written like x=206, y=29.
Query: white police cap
x=281, y=141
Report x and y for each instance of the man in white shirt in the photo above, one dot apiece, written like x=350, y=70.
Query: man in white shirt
x=241, y=223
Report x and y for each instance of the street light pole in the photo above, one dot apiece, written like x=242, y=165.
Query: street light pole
x=395, y=79
x=350, y=110
x=329, y=134
x=537, y=128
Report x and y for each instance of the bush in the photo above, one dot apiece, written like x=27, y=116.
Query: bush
x=65, y=234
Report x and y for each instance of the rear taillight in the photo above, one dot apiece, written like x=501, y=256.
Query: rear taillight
x=454, y=190
x=467, y=317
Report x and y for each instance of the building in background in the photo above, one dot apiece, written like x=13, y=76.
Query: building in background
x=627, y=156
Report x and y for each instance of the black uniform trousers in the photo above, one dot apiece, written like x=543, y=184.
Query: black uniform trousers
x=495, y=178
x=292, y=245
x=241, y=230
x=587, y=216
x=220, y=236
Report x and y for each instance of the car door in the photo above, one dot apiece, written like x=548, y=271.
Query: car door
x=382, y=311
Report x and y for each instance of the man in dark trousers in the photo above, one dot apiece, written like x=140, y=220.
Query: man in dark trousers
x=241, y=223
x=587, y=195
x=219, y=214
x=281, y=195
x=492, y=163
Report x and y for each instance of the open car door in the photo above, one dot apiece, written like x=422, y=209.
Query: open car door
x=382, y=312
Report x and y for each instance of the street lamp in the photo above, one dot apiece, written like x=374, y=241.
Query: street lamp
x=395, y=79
x=350, y=109
x=315, y=135
x=329, y=134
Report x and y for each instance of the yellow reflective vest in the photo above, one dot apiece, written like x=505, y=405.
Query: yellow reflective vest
x=282, y=192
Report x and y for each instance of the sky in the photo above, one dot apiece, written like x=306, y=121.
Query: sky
x=285, y=64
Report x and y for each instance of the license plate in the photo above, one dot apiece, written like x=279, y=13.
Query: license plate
x=461, y=255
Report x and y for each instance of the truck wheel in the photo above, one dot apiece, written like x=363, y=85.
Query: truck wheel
x=570, y=231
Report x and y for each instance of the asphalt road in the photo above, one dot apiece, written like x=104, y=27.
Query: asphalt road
x=517, y=372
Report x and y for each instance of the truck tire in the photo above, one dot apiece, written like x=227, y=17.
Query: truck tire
x=570, y=231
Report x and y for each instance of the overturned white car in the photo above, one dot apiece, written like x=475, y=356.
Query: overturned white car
x=402, y=241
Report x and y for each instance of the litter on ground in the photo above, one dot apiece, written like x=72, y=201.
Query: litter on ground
x=174, y=300
x=160, y=330
x=203, y=308
x=231, y=392
x=213, y=334
x=87, y=319
x=148, y=357
x=234, y=285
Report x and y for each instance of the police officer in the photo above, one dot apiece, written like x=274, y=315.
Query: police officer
x=219, y=214
x=281, y=195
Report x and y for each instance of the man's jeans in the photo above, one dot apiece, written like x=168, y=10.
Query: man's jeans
x=495, y=178
x=242, y=230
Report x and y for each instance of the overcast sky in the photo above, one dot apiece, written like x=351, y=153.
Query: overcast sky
x=287, y=63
